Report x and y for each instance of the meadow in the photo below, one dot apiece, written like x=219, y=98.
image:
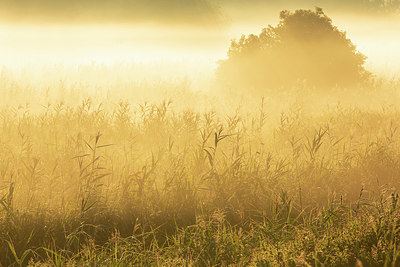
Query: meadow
x=298, y=178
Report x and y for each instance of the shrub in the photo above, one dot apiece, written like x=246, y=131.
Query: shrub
x=304, y=46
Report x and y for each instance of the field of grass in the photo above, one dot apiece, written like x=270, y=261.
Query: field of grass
x=170, y=184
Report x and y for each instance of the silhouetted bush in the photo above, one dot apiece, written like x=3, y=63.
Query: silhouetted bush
x=303, y=47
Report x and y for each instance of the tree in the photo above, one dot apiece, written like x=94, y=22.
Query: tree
x=304, y=46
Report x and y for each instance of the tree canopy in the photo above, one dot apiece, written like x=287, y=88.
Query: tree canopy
x=304, y=46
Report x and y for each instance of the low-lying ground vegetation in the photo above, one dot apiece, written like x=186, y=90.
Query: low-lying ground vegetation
x=154, y=185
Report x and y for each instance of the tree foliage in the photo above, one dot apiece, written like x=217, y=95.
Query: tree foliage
x=304, y=46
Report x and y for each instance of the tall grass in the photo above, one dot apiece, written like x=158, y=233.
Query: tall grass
x=151, y=184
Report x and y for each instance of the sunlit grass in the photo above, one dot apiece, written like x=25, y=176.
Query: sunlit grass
x=158, y=184
x=122, y=145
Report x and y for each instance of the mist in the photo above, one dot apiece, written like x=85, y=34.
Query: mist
x=199, y=133
x=196, y=48
x=25, y=40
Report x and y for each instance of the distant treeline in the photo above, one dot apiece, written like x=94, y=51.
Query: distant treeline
x=371, y=5
x=339, y=3
x=108, y=10
x=189, y=11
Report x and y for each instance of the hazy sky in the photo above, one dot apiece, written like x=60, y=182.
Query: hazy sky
x=196, y=32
